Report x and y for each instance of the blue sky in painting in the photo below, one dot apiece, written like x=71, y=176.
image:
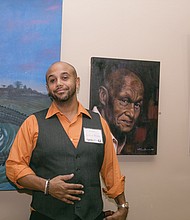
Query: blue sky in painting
x=30, y=40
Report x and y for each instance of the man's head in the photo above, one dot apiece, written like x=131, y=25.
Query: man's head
x=121, y=99
x=62, y=82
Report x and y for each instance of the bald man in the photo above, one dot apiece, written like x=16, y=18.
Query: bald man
x=59, y=152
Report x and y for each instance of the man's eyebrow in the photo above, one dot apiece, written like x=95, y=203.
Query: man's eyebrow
x=49, y=76
x=62, y=73
x=140, y=99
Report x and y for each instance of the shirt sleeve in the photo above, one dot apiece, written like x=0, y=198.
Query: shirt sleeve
x=17, y=164
x=110, y=171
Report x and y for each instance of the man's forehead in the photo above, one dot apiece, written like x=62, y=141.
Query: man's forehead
x=60, y=68
x=122, y=81
x=132, y=80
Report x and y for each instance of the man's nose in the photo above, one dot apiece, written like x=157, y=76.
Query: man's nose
x=59, y=82
x=131, y=109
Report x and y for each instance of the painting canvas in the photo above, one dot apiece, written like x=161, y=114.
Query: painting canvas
x=126, y=93
x=30, y=42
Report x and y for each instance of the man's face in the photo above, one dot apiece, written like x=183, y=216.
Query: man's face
x=124, y=104
x=61, y=82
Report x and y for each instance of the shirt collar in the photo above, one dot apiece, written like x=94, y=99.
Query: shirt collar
x=53, y=110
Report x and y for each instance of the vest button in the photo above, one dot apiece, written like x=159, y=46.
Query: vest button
x=77, y=156
x=78, y=207
x=77, y=169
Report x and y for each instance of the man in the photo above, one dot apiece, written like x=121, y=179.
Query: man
x=121, y=99
x=59, y=152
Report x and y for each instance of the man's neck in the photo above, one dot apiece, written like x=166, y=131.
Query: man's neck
x=69, y=109
x=120, y=136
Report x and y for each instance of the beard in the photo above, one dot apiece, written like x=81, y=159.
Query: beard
x=63, y=98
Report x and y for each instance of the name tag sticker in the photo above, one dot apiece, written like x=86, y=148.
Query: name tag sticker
x=93, y=135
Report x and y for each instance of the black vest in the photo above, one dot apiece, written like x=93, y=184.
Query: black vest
x=55, y=155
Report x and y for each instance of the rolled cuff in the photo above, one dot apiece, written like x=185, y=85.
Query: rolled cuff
x=117, y=188
x=14, y=176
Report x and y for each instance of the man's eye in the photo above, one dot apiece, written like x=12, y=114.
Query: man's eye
x=51, y=80
x=138, y=106
x=124, y=102
x=65, y=78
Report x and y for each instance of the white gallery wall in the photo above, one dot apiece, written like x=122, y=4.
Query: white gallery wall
x=157, y=187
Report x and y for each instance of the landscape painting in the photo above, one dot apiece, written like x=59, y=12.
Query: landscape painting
x=30, y=42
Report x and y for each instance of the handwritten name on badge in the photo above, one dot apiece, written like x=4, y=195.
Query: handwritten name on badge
x=93, y=135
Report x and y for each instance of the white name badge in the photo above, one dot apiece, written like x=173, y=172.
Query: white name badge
x=93, y=135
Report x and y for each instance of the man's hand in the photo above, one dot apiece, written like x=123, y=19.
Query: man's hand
x=120, y=214
x=66, y=192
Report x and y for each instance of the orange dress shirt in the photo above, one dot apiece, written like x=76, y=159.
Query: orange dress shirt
x=17, y=164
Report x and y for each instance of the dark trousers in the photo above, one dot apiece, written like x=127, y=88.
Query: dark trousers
x=37, y=216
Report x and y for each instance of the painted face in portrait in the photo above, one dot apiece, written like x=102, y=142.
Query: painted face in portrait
x=123, y=101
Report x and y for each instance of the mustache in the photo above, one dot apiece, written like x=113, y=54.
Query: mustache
x=61, y=88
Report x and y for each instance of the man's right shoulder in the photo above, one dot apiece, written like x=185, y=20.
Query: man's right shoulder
x=42, y=112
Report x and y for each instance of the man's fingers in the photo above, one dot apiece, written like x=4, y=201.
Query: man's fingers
x=75, y=192
x=71, y=185
x=67, y=201
x=67, y=192
x=66, y=177
x=70, y=199
x=108, y=213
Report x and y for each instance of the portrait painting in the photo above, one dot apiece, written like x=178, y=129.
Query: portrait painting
x=126, y=94
x=30, y=42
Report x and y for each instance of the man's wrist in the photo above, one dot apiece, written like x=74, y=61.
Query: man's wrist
x=123, y=205
x=46, y=189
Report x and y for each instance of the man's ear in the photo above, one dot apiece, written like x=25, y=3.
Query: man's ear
x=77, y=85
x=103, y=95
x=47, y=87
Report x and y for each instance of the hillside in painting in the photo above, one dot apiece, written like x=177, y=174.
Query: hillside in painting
x=22, y=100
